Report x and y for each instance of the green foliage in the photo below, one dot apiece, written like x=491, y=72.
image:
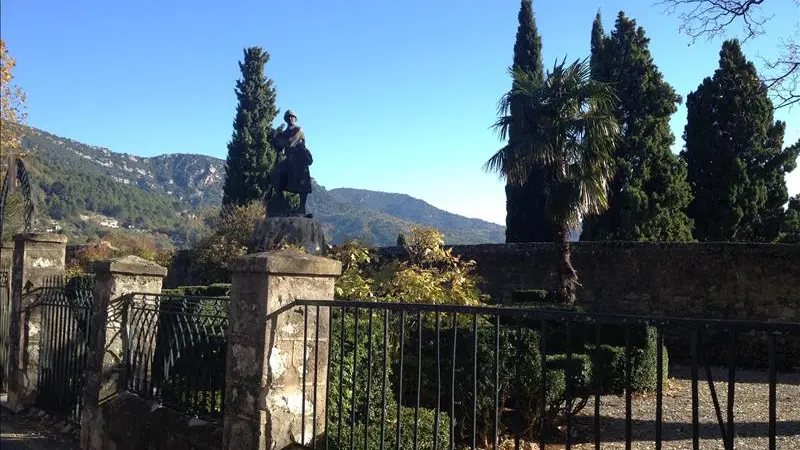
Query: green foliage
x=352, y=377
x=649, y=191
x=530, y=296
x=212, y=290
x=570, y=132
x=230, y=238
x=430, y=273
x=791, y=223
x=251, y=157
x=526, y=216
x=518, y=387
x=734, y=153
x=611, y=364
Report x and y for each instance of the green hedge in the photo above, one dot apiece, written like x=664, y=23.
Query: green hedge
x=520, y=371
x=212, y=290
x=352, y=376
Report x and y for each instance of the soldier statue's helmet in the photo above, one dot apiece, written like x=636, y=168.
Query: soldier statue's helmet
x=289, y=113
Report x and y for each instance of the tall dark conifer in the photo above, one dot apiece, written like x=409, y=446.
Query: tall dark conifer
x=526, y=219
x=649, y=191
x=734, y=152
x=250, y=155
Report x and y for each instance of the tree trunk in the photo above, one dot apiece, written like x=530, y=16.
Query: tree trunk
x=568, y=277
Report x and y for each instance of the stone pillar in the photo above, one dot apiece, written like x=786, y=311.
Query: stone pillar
x=36, y=257
x=105, y=372
x=264, y=373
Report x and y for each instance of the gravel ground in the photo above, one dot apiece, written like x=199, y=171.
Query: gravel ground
x=751, y=414
x=25, y=432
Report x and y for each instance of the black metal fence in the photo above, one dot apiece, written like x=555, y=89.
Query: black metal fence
x=65, y=309
x=174, y=350
x=5, y=323
x=442, y=376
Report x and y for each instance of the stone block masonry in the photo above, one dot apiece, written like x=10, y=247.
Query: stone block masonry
x=696, y=280
x=714, y=280
x=105, y=369
x=264, y=394
x=36, y=258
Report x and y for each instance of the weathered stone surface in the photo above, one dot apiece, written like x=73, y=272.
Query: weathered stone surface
x=304, y=232
x=288, y=262
x=696, y=280
x=36, y=257
x=268, y=359
x=704, y=280
x=113, y=279
x=130, y=265
x=42, y=237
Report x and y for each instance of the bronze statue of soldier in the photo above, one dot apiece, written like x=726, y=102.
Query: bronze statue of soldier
x=291, y=173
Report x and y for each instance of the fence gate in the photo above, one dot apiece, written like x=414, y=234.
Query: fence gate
x=66, y=313
x=5, y=323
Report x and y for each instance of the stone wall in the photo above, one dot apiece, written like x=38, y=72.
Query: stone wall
x=139, y=424
x=716, y=280
x=726, y=280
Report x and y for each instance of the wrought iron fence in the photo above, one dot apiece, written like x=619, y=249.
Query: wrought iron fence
x=174, y=350
x=442, y=376
x=5, y=323
x=65, y=309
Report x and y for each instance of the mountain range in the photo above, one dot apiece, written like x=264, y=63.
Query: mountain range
x=82, y=189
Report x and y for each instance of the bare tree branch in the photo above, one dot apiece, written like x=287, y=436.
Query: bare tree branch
x=712, y=18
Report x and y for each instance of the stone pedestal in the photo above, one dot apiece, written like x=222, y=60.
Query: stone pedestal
x=273, y=232
x=105, y=369
x=267, y=403
x=37, y=257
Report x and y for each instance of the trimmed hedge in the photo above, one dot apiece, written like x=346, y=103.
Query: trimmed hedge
x=212, y=290
x=520, y=371
x=352, y=376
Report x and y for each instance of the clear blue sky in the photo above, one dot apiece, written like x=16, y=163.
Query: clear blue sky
x=396, y=96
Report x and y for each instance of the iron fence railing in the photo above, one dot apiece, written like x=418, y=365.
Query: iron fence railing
x=424, y=376
x=174, y=350
x=65, y=310
x=5, y=323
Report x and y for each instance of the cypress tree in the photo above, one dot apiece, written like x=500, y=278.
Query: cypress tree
x=734, y=153
x=649, y=192
x=526, y=220
x=790, y=233
x=598, y=38
x=250, y=155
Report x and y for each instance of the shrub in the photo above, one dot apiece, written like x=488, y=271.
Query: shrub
x=531, y=296
x=427, y=431
x=517, y=389
x=576, y=370
x=430, y=273
x=644, y=363
x=232, y=231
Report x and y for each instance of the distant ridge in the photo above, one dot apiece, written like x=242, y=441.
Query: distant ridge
x=82, y=189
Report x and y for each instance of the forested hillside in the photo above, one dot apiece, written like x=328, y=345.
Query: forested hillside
x=85, y=190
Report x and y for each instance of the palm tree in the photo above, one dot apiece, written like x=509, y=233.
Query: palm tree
x=565, y=126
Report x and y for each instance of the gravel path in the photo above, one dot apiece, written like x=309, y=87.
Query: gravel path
x=751, y=414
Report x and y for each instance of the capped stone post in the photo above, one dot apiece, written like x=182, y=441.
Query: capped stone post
x=37, y=257
x=267, y=404
x=114, y=278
